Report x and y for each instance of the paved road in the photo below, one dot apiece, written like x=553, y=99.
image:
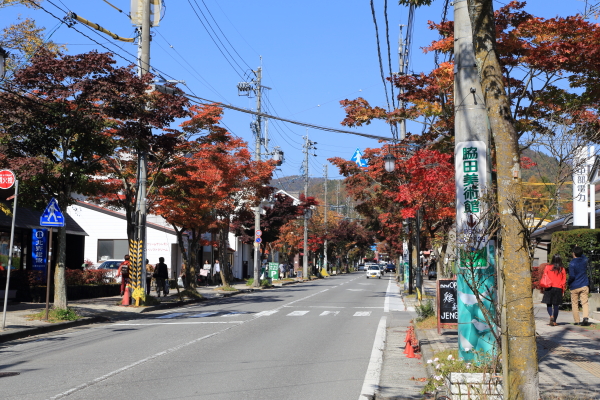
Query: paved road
x=310, y=341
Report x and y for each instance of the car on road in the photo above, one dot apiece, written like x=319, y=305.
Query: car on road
x=361, y=267
x=373, y=271
x=390, y=268
x=111, y=267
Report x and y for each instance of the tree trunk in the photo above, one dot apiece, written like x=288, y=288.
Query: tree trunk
x=224, y=248
x=522, y=364
x=60, y=283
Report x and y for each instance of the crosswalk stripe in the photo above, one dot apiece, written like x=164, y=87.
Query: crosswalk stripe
x=362, y=313
x=266, y=313
x=334, y=313
x=297, y=313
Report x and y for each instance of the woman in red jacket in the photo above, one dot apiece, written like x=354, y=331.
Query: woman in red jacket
x=554, y=294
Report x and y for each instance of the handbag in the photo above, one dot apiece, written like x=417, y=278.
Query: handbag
x=545, y=281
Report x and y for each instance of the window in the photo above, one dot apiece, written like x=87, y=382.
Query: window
x=112, y=249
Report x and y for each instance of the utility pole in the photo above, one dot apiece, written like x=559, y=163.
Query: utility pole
x=308, y=145
x=472, y=168
x=257, y=155
x=403, y=67
x=139, y=252
x=325, y=221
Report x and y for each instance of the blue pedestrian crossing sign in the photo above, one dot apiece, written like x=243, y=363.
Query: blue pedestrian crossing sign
x=357, y=158
x=52, y=215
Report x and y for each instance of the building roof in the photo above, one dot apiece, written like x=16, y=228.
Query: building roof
x=27, y=218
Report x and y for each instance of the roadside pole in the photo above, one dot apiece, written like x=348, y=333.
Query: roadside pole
x=10, y=250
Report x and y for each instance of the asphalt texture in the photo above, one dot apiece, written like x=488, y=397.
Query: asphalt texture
x=314, y=340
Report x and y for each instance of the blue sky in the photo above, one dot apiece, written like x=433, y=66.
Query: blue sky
x=314, y=54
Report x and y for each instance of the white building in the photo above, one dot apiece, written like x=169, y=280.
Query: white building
x=107, y=236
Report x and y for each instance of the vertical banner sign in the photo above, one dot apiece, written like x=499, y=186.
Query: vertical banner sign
x=274, y=270
x=39, y=249
x=580, y=187
x=475, y=279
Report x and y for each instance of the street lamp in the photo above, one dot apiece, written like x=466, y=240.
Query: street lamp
x=389, y=162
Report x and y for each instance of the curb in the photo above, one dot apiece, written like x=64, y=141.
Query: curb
x=426, y=351
x=38, y=330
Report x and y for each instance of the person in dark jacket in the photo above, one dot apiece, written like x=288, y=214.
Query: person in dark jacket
x=161, y=273
x=579, y=285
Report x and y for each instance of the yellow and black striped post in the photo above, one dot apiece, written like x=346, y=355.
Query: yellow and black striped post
x=135, y=269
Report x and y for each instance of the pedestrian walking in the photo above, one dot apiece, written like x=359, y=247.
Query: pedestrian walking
x=217, y=276
x=123, y=272
x=161, y=274
x=555, y=271
x=149, y=272
x=281, y=271
x=579, y=285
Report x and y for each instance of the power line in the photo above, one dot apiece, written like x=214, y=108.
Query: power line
x=213, y=39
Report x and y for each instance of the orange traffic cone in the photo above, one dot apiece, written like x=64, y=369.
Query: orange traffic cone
x=411, y=352
x=408, y=344
x=125, y=301
x=407, y=338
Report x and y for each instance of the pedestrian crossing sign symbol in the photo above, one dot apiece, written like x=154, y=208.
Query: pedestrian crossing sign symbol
x=357, y=158
x=52, y=215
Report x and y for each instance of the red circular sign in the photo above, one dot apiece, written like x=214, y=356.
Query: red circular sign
x=7, y=179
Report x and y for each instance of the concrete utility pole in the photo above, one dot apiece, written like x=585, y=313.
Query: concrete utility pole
x=403, y=67
x=144, y=68
x=258, y=144
x=308, y=145
x=325, y=221
x=472, y=175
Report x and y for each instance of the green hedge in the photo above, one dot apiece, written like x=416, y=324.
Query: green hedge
x=563, y=242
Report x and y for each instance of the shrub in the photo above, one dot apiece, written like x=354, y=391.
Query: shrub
x=563, y=242
x=77, y=277
x=425, y=310
x=447, y=361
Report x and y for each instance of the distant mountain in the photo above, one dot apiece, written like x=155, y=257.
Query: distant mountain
x=545, y=169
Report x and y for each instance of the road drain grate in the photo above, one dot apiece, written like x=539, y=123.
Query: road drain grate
x=4, y=374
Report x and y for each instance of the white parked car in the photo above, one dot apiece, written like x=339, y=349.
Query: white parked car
x=111, y=266
x=373, y=271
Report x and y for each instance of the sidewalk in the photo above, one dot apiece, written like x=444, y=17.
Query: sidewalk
x=568, y=355
x=103, y=309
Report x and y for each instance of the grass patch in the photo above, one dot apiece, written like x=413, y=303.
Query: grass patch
x=263, y=283
x=55, y=315
x=191, y=294
x=427, y=323
x=226, y=288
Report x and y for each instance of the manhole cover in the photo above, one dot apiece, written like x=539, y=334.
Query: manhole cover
x=4, y=374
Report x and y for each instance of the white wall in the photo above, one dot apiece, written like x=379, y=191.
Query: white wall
x=99, y=225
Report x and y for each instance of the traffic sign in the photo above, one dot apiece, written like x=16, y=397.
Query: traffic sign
x=258, y=233
x=357, y=158
x=258, y=240
x=7, y=179
x=52, y=215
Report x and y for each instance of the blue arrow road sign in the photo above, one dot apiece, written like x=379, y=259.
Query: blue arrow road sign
x=52, y=215
x=357, y=158
x=258, y=240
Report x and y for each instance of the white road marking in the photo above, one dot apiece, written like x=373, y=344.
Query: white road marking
x=297, y=313
x=356, y=290
x=362, y=314
x=367, y=284
x=204, y=314
x=174, y=315
x=324, y=313
x=266, y=313
x=371, y=381
x=367, y=307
